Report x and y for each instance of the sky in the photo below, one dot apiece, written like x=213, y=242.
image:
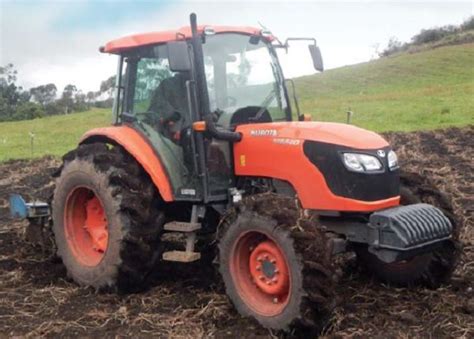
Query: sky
x=57, y=41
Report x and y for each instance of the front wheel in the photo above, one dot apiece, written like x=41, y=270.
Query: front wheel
x=430, y=269
x=276, y=271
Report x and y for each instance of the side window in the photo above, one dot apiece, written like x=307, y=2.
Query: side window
x=210, y=79
x=150, y=73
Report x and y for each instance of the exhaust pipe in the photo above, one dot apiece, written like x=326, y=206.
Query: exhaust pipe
x=202, y=88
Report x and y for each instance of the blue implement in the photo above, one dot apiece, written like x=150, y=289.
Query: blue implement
x=19, y=209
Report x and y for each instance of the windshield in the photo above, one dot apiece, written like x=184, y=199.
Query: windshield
x=242, y=74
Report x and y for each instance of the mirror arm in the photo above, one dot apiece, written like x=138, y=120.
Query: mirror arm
x=298, y=39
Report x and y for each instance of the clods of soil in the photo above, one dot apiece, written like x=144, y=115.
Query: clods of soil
x=38, y=299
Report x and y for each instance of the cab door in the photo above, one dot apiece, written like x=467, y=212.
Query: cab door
x=156, y=98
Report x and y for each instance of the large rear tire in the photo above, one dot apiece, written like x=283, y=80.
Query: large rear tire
x=106, y=218
x=276, y=266
x=430, y=269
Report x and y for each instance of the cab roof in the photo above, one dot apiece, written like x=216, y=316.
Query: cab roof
x=132, y=41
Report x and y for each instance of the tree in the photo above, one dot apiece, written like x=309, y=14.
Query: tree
x=44, y=94
x=10, y=94
x=90, y=97
x=468, y=24
x=80, y=103
x=394, y=46
x=107, y=86
x=8, y=74
x=67, y=99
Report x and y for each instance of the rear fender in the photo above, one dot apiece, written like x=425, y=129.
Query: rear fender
x=138, y=147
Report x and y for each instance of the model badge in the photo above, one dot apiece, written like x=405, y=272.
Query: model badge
x=286, y=141
x=263, y=133
x=381, y=153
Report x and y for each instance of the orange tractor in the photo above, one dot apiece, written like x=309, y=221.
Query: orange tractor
x=205, y=145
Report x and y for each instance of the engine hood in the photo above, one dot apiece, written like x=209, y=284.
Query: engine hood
x=326, y=132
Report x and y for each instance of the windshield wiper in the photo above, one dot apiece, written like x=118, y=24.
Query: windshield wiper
x=265, y=104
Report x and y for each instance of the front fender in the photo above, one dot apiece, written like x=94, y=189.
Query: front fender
x=138, y=147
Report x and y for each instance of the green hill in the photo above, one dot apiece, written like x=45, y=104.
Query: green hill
x=52, y=135
x=424, y=90
x=411, y=91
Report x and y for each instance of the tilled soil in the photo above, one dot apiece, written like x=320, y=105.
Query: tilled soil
x=37, y=298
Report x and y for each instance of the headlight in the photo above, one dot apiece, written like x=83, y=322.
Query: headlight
x=392, y=160
x=361, y=162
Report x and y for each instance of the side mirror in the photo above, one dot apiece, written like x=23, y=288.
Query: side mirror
x=317, y=58
x=178, y=56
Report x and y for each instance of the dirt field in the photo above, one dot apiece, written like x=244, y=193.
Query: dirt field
x=37, y=299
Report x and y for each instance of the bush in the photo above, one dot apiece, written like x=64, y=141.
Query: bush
x=108, y=103
x=28, y=110
x=54, y=108
x=433, y=34
x=394, y=46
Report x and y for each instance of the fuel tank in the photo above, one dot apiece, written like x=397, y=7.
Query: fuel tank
x=308, y=156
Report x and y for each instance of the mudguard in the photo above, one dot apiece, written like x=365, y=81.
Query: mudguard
x=140, y=149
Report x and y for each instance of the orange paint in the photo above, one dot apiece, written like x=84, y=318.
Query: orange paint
x=133, y=41
x=276, y=150
x=266, y=289
x=86, y=226
x=139, y=148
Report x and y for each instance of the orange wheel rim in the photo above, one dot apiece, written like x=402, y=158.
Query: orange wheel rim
x=260, y=271
x=86, y=226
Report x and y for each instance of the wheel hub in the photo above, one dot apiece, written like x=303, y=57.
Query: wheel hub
x=261, y=274
x=96, y=224
x=268, y=268
x=86, y=226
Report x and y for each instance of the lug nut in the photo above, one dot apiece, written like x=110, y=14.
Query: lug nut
x=275, y=300
x=258, y=268
x=273, y=261
x=262, y=278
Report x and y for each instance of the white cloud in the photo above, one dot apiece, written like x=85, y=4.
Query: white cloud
x=346, y=33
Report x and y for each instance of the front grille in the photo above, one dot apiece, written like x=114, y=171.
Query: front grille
x=344, y=183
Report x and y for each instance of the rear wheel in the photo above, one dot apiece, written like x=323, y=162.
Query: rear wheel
x=106, y=218
x=276, y=269
x=430, y=269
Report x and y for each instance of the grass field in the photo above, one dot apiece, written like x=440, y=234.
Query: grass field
x=53, y=135
x=425, y=90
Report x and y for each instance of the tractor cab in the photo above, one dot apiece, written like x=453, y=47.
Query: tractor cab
x=222, y=76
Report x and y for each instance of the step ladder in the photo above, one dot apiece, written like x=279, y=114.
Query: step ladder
x=189, y=229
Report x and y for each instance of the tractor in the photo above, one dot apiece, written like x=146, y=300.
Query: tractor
x=208, y=144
